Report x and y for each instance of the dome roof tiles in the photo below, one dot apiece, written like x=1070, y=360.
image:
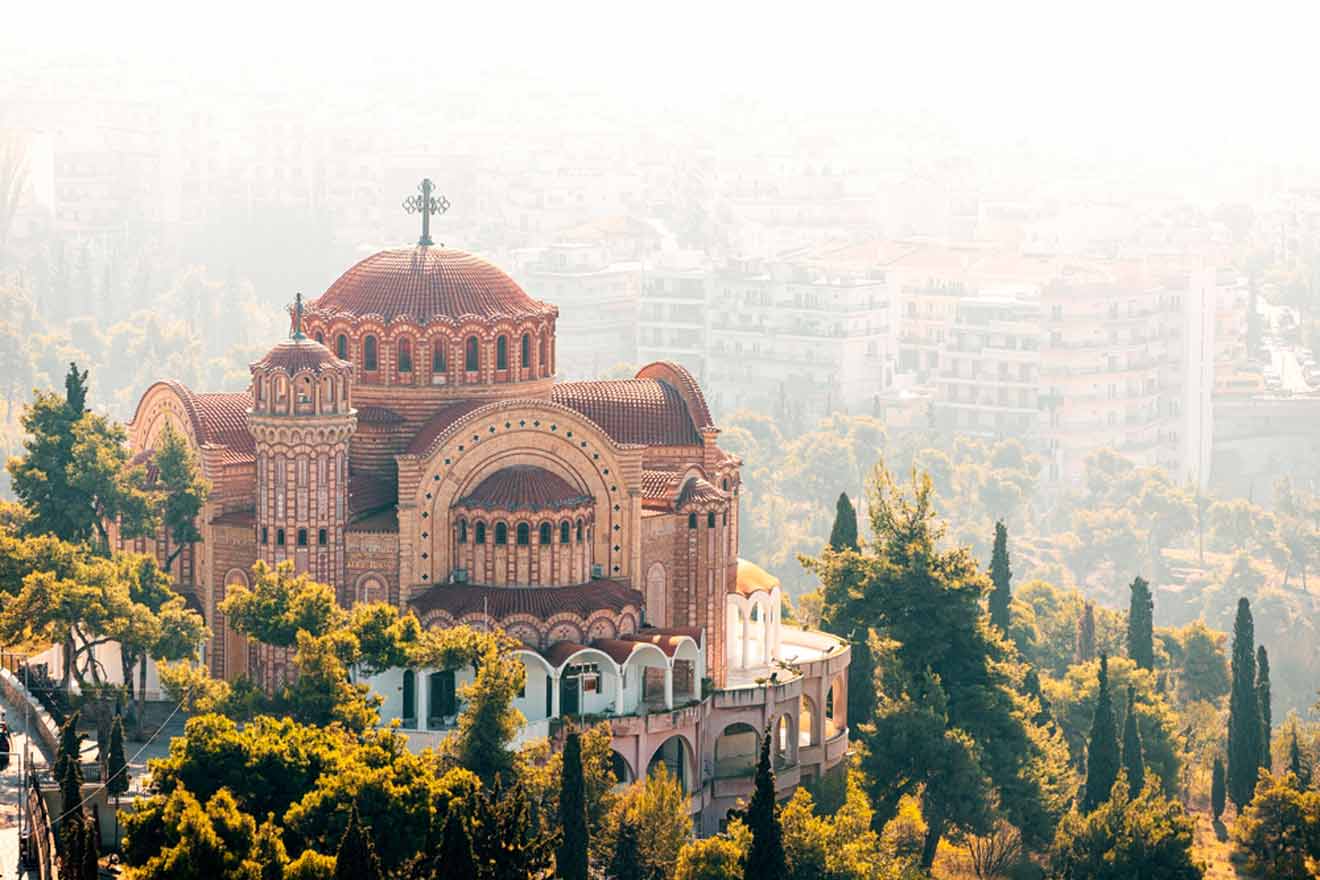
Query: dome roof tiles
x=524, y=487
x=642, y=411
x=457, y=600
x=300, y=354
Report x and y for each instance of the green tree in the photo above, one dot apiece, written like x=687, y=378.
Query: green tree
x=571, y=858
x=1244, y=721
x=626, y=859
x=180, y=490
x=1264, y=701
x=508, y=842
x=1002, y=578
x=656, y=809
x=1298, y=764
x=712, y=858
x=1147, y=836
x=1218, y=791
x=1085, y=652
x=843, y=535
x=1141, y=623
x=105, y=487
x=116, y=768
x=1102, y=756
x=41, y=476
x=279, y=604
x=489, y=722
x=765, y=859
x=356, y=857
x=1279, y=832
x=194, y=842
x=1133, y=762
x=455, y=858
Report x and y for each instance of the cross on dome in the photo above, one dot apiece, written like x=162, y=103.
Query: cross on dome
x=426, y=205
x=297, y=318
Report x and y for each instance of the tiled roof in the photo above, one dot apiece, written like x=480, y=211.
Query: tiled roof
x=540, y=602
x=295, y=355
x=380, y=522
x=698, y=491
x=245, y=518
x=659, y=485
x=378, y=415
x=222, y=420
x=643, y=411
x=753, y=578
x=368, y=493
x=667, y=640
x=524, y=487
x=426, y=283
x=439, y=421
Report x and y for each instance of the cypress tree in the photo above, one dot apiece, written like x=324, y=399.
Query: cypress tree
x=1102, y=757
x=1244, y=723
x=1217, y=793
x=1002, y=578
x=1266, y=712
x=456, y=861
x=843, y=536
x=69, y=747
x=356, y=858
x=765, y=858
x=1086, y=634
x=571, y=856
x=116, y=763
x=1141, y=626
x=626, y=862
x=1297, y=765
x=1133, y=763
x=91, y=850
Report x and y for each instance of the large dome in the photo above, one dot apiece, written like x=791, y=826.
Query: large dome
x=426, y=284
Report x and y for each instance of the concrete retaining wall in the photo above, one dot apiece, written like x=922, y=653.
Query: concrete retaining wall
x=44, y=728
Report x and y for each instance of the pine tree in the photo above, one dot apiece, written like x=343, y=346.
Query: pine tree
x=455, y=861
x=69, y=747
x=1002, y=578
x=1102, y=756
x=116, y=763
x=765, y=858
x=843, y=536
x=571, y=856
x=1218, y=795
x=41, y=475
x=356, y=858
x=626, y=862
x=1244, y=722
x=1141, y=623
x=1133, y=763
x=1266, y=711
x=1085, y=652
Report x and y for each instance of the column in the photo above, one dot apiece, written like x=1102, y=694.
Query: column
x=618, y=693
x=744, y=627
x=423, y=697
x=554, y=696
x=669, y=687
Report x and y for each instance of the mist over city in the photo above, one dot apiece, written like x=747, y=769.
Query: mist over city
x=684, y=441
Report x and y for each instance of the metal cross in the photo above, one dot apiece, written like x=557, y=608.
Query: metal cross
x=426, y=205
x=297, y=317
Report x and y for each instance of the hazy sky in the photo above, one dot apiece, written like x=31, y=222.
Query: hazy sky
x=1167, y=77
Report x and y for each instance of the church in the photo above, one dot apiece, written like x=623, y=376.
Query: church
x=409, y=443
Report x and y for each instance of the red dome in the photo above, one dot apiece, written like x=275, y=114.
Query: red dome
x=425, y=284
x=295, y=355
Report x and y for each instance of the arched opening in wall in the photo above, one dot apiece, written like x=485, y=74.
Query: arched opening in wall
x=405, y=356
x=501, y=533
x=524, y=534
x=481, y=532
x=783, y=734
x=623, y=775
x=438, y=365
x=502, y=353
x=835, y=711
x=235, y=645
x=657, y=588
x=341, y=347
x=736, y=751
x=442, y=699
x=544, y=359
x=462, y=531
x=320, y=337
x=525, y=352
x=735, y=632
x=472, y=355
x=579, y=531
x=370, y=588
x=806, y=722
x=370, y=358
x=408, y=715
x=546, y=533
x=564, y=530
x=676, y=759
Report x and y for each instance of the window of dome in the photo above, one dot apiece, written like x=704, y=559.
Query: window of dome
x=525, y=355
x=438, y=357
x=405, y=355
x=320, y=337
x=501, y=533
x=710, y=519
x=579, y=531
x=302, y=537
x=341, y=347
x=545, y=362
x=472, y=357
x=502, y=353
x=369, y=359
x=692, y=520
x=546, y=533
x=563, y=532
x=279, y=537
x=462, y=531
x=524, y=534
x=265, y=534
x=322, y=537
x=481, y=533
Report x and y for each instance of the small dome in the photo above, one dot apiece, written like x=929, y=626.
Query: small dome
x=753, y=578
x=524, y=487
x=296, y=355
x=426, y=284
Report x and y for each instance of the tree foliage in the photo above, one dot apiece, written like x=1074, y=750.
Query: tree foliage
x=1141, y=625
x=1244, y=721
x=1001, y=576
x=1102, y=755
x=1125, y=837
x=1278, y=834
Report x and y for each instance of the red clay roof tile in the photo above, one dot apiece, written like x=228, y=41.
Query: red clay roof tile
x=643, y=411
x=540, y=602
x=524, y=487
x=439, y=421
x=295, y=355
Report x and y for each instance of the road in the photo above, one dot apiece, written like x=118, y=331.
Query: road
x=11, y=786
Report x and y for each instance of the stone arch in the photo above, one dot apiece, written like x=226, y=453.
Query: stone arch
x=677, y=754
x=370, y=587
x=807, y=716
x=624, y=775
x=835, y=714
x=657, y=595
x=784, y=742
x=235, y=645
x=681, y=380
x=166, y=402
x=736, y=750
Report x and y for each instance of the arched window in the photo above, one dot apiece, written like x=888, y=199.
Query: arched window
x=438, y=357
x=409, y=698
x=472, y=360
x=710, y=519
x=341, y=347
x=462, y=531
x=302, y=537
x=692, y=520
x=579, y=531
x=279, y=537
x=322, y=537
x=481, y=533
x=524, y=534
x=546, y=533
x=501, y=533
x=502, y=353
x=544, y=362
x=369, y=353
x=525, y=355
x=563, y=532
x=320, y=337
x=405, y=355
